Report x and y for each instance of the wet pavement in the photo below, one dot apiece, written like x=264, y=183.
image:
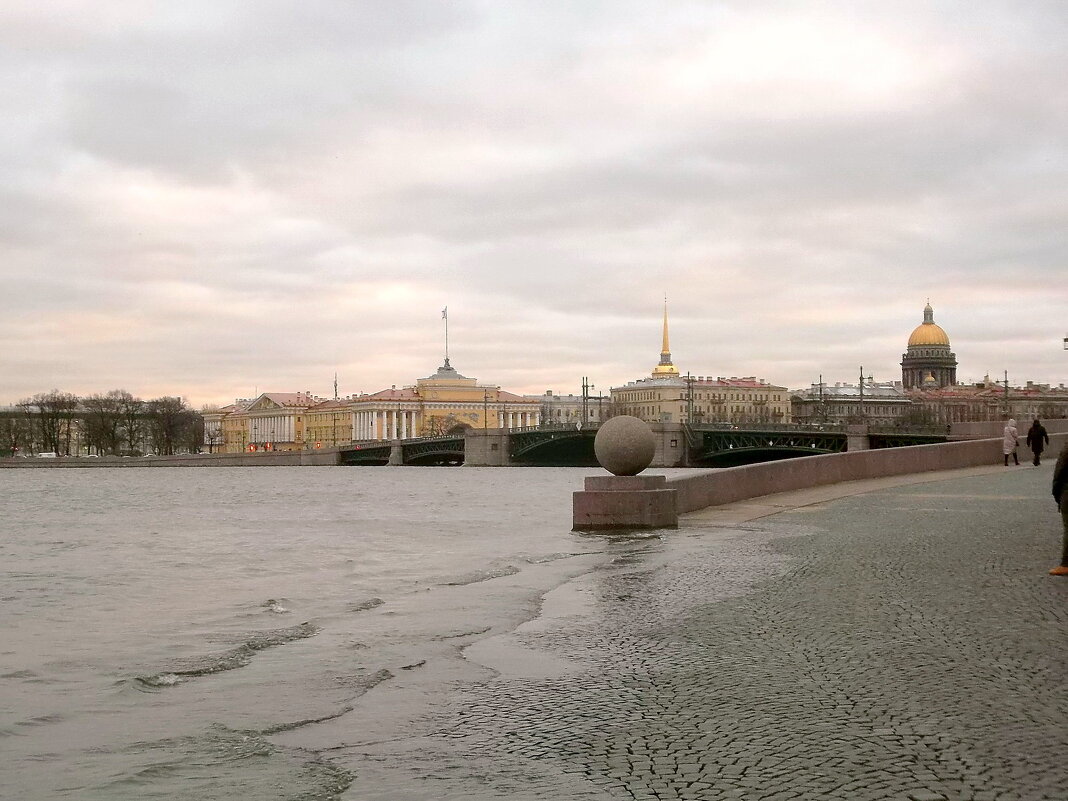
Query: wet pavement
x=902, y=643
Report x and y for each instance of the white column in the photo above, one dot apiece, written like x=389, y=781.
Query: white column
x=404, y=425
x=393, y=423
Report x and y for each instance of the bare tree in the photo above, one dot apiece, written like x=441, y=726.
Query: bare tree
x=173, y=425
x=132, y=414
x=51, y=414
x=15, y=434
x=103, y=421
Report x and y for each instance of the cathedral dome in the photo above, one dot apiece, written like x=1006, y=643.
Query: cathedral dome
x=928, y=332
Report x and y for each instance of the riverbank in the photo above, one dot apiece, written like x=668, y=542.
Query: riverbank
x=901, y=642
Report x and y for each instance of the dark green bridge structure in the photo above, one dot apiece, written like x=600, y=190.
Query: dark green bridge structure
x=703, y=445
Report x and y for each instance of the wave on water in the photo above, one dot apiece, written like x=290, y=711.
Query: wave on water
x=236, y=657
x=20, y=726
x=362, y=685
x=224, y=763
x=363, y=606
x=275, y=607
x=20, y=674
x=481, y=575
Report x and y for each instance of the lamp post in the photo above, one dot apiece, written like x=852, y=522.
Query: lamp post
x=485, y=409
x=689, y=398
x=862, y=392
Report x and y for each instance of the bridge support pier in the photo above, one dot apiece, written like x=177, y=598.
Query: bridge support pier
x=671, y=446
x=486, y=447
x=396, y=453
x=625, y=502
x=857, y=438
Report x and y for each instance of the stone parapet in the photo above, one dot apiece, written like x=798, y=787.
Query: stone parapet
x=716, y=487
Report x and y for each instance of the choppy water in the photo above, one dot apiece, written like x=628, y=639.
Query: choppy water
x=159, y=627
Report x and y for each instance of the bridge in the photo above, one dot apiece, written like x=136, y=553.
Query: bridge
x=438, y=451
x=678, y=445
x=559, y=446
x=729, y=445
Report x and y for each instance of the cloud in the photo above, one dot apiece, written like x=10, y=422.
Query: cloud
x=197, y=199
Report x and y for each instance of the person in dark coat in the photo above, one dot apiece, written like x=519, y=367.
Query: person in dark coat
x=1060, y=495
x=1037, y=440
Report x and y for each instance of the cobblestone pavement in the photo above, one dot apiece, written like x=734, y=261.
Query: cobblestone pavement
x=902, y=644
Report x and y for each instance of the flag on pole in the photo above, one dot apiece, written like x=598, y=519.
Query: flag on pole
x=445, y=313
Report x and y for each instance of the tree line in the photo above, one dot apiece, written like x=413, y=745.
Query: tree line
x=113, y=424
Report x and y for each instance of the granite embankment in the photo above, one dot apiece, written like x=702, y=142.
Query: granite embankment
x=713, y=488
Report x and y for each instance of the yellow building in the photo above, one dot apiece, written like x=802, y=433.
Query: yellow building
x=668, y=397
x=274, y=421
x=328, y=423
x=444, y=403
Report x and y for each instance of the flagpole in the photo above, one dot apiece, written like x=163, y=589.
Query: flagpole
x=445, y=315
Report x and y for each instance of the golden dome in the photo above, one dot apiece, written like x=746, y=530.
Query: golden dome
x=928, y=332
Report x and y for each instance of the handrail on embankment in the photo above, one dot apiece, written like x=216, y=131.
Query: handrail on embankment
x=727, y=485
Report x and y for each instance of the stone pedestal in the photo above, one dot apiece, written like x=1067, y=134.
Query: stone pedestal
x=396, y=453
x=625, y=502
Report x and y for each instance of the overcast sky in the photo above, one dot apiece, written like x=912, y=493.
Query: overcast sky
x=210, y=199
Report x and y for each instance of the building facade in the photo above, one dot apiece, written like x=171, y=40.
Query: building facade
x=989, y=400
x=666, y=396
x=567, y=410
x=443, y=403
x=838, y=404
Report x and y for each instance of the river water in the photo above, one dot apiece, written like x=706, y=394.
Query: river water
x=164, y=629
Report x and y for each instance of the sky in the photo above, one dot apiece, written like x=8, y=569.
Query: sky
x=213, y=199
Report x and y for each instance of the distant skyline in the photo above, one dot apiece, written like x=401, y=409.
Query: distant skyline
x=206, y=199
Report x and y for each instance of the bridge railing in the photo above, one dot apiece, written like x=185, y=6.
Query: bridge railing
x=750, y=426
x=554, y=427
x=935, y=430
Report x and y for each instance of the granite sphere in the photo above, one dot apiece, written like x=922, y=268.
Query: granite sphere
x=624, y=445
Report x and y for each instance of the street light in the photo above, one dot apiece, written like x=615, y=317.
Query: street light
x=862, y=391
x=689, y=398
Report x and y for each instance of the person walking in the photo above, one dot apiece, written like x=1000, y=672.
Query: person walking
x=1060, y=495
x=1037, y=440
x=1009, y=441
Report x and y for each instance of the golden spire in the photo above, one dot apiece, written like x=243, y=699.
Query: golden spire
x=665, y=367
x=665, y=349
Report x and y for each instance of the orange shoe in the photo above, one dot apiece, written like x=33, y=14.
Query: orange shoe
x=1059, y=570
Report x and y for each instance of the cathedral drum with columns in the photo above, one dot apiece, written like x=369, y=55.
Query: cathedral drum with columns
x=928, y=363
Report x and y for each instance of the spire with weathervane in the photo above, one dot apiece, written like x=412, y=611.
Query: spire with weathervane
x=665, y=369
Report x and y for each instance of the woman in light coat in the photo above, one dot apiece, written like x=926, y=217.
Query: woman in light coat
x=1009, y=442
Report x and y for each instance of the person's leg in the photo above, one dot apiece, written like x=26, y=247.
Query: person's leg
x=1062, y=568
x=1006, y=460
x=1015, y=458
